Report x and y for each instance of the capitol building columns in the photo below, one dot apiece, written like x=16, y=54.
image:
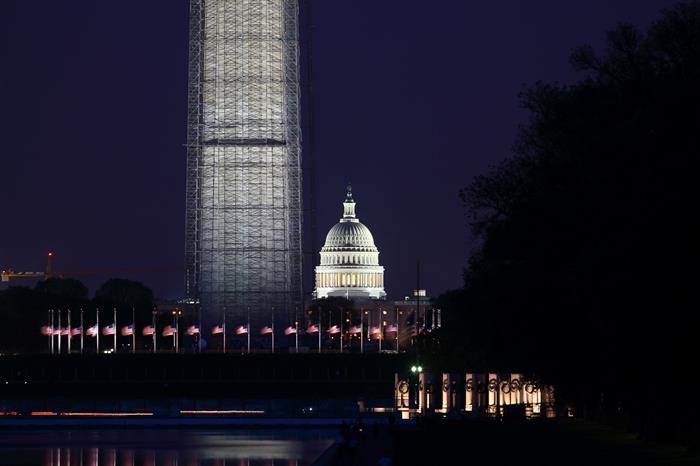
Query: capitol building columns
x=352, y=279
x=349, y=259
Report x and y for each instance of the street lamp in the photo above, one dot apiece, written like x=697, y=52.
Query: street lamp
x=416, y=370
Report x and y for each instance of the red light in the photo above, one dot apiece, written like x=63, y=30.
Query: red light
x=50, y=254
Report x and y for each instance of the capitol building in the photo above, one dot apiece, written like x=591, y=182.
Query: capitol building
x=350, y=260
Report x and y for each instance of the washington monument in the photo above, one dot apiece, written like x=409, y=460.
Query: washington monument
x=243, y=215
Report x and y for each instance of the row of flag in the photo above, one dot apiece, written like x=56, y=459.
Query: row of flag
x=170, y=330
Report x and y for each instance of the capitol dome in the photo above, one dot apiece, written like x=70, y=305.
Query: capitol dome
x=349, y=259
x=347, y=234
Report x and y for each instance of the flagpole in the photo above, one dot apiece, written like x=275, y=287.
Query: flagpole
x=153, y=318
x=133, y=330
x=97, y=334
x=369, y=324
x=362, y=330
x=52, y=330
x=224, y=332
x=381, y=329
x=59, y=331
x=82, y=331
x=341, y=331
x=296, y=336
x=70, y=337
x=199, y=322
x=248, y=330
x=320, y=325
x=115, y=329
x=273, y=329
x=177, y=331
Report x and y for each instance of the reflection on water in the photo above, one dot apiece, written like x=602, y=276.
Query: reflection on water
x=163, y=447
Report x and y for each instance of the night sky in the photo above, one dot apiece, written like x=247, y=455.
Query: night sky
x=409, y=102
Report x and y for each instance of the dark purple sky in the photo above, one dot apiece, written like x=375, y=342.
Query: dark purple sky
x=410, y=101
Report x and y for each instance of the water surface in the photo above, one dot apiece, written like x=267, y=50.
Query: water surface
x=163, y=447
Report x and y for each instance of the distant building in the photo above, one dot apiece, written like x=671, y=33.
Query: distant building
x=350, y=260
x=417, y=314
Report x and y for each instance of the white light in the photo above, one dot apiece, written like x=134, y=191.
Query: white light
x=414, y=368
x=420, y=369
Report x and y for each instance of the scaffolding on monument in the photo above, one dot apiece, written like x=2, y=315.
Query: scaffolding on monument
x=243, y=192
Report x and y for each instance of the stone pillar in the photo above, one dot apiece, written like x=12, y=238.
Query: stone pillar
x=432, y=393
x=494, y=399
x=446, y=395
x=402, y=392
x=452, y=392
x=469, y=391
x=480, y=390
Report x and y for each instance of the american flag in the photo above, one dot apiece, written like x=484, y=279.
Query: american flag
x=312, y=329
x=148, y=330
x=92, y=331
x=47, y=330
x=375, y=330
x=265, y=330
x=169, y=331
x=355, y=329
x=241, y=330
x=193, y=330
x=289, y=330
x=64, y=331
x=392, y=328
x=109, y=330
x=76, y=331
x=217, y=329
x=127, y=330
x=333, y=329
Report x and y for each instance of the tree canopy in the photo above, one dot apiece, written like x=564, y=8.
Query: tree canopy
x=586, y=230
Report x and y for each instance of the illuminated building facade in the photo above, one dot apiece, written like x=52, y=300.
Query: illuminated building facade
x=350, y=260
x=243, y=215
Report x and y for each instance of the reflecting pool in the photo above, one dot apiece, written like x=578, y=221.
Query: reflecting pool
x=163, y=447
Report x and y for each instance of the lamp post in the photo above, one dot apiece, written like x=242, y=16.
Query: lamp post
x=416, y=370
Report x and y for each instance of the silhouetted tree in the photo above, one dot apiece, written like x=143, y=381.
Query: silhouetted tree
x=23, y=311
x=124, y=295
x=586, y=231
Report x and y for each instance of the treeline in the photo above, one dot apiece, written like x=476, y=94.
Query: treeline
x=584, y=271
x=24, y=310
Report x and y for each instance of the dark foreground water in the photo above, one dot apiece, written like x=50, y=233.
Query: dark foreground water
x=163, y=447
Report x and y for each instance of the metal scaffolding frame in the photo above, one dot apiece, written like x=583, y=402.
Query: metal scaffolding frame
x=244, y=207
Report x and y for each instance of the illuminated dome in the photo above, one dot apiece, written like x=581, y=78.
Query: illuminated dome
x=349, y=259
x=349, y=234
